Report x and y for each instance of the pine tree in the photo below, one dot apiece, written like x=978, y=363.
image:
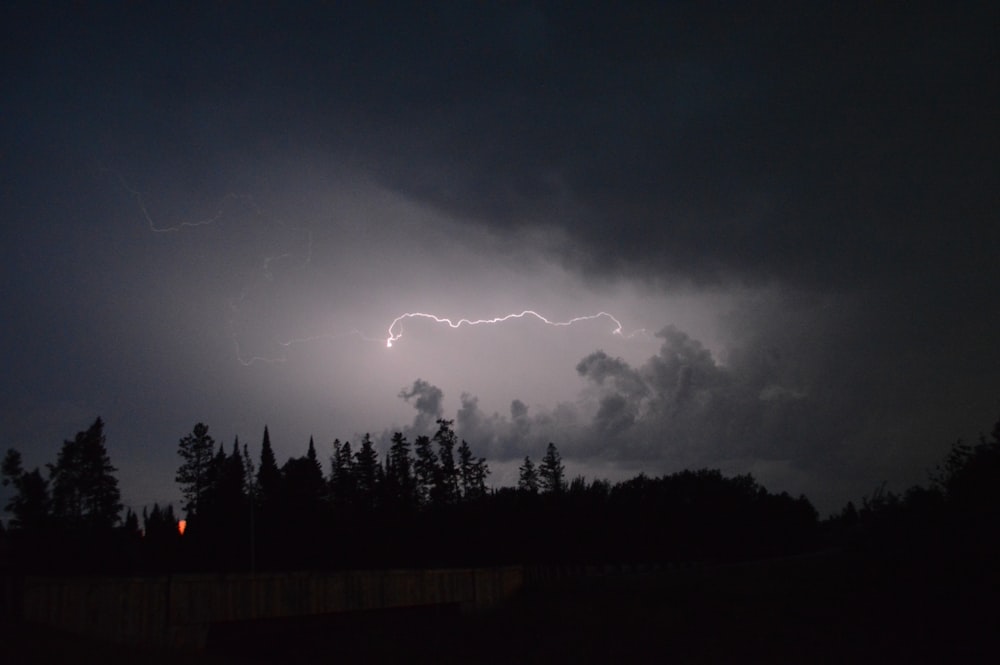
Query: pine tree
x=342, y=480
x=399, y=473
x=472, y=472
x=528, y=477
x=465, y=463
x=551, y=473
x=303, y=480
x=84, y=488
x=367, y=472
x=31, y=505
x=196, y=451
x=425, y=468
x=232, y=489
x=446, y=485
x=480, y=471
x=159, y=525
x=131, y=524
x=312, y=457
x=268, y=475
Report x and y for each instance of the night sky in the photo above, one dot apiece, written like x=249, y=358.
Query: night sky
x=214, y=211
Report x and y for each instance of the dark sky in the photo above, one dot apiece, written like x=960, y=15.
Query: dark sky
x=214, y=211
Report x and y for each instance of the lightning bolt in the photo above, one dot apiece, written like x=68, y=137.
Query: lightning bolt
x=397, y=322
x=225, y=203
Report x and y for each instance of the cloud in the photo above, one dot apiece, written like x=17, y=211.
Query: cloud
x=681, y=408
x=427, y=400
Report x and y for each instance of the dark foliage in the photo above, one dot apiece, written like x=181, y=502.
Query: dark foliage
x=196, y=451
x=84, y=488
x=417, y=508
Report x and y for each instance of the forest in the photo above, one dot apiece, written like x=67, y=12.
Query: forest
x=428, y=503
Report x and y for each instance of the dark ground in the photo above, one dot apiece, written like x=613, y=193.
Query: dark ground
x=817, y=609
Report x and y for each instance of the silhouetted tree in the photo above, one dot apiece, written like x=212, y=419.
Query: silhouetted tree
x=465, y=463
x=216, y=468
x=230, y=489
x=400, y=481
x=161, y=537
x=249, y=475
x=30, y=506
x=970, y=476
x=445, y=489
x=84, y=488
x=425, y=468
x=268, y=475
x=131, y=524
x=367, y=472
x=472, y=473
x=343, y=485
x=159, y=524
x=551, y=471
x=303, y=481
x=196, y=451
x=313, y=458
x=527, y=480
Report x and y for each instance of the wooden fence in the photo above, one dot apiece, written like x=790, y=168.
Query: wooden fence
x=178, y=610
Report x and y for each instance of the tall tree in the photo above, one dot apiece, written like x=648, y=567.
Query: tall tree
x=130, y=526
x=551, y=473
x=342, y=479
x=196, y=451
x=446, y=485
x=30, y=506
x=231, y=489
x=268, y=475
x=303, y=480
x=527, y=480
x=402, y=488
x=472, y=472
x=84, y=488
x=480, y=471
x=313, y=458
x=465, y=462
x=367, y=472
x=425, y=468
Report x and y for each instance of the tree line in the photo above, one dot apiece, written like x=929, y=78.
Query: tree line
x=427, y=503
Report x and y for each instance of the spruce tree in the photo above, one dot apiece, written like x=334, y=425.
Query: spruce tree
x=465, y=466
x=446, y=485
x=425, y=468
x=528, y=477
x=84, y=488
x=31, y=505
x=480, y=471
x=472, y=472
x=551, y=473
x=303, y=481
x=367, y=472
x=399, y=472
x=268, y=475
x=196, y=451
x=342, y=480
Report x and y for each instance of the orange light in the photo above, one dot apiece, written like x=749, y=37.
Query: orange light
x=181, y=525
